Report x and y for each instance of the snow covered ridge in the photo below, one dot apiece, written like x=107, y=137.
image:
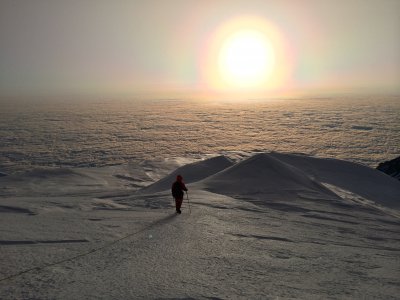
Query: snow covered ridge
x=263, y=226
x=292, y=175
x=193, y=172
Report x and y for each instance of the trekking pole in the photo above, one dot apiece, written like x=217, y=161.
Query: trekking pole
x=187, y=197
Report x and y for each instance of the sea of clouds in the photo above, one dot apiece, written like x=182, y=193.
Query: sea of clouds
x=106, y=132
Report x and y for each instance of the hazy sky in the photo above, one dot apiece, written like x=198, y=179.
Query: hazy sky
x=168, y=47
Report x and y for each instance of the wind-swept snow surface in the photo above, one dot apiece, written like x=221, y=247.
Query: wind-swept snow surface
x=271, y=226
x=263, y=174
x=193, y=172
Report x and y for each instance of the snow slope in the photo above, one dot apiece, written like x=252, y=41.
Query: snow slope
x=270, y=226
x=263, y=174
x=366, y=182
x=193, y=172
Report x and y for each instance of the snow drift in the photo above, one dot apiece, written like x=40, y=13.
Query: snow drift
x=274, y=176
x=192, y=172
x=264, y=174
x=361, y=180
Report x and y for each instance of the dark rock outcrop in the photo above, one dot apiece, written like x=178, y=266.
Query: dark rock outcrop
x=391, y=167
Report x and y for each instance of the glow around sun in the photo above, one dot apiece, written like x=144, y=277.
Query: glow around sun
x=246, y=54
x=246, y=59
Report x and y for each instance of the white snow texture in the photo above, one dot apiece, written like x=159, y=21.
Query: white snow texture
x=266, y=226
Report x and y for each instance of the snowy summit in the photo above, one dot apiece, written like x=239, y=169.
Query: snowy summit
x=262, y=226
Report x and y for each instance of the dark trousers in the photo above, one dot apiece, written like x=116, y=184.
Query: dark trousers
x=178, y=203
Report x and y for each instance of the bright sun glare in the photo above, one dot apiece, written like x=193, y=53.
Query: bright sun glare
x=246, y=55
x=246, y=59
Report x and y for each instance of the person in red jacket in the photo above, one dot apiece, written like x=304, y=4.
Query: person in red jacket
x=177, y=192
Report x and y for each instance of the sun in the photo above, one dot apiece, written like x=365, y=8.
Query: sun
x=245, y=56
x=246, y=59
